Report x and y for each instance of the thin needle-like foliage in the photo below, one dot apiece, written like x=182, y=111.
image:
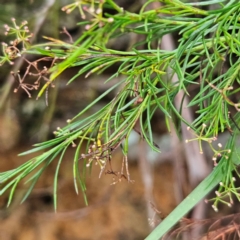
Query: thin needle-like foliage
x=207, y=57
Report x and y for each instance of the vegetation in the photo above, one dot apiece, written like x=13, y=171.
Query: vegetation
x=207, y=56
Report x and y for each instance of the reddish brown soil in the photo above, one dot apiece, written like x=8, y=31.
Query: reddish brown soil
x=115, y=212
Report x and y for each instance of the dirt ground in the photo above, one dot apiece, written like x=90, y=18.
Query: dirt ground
x=115, y=212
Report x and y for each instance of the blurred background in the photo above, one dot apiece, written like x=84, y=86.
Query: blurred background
x=116, y=211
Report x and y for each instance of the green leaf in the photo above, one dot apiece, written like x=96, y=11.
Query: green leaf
x=207, y=185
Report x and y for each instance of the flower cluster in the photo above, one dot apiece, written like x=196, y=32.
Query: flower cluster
x=225, y=193
x=92, y=9
x=20, y=43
